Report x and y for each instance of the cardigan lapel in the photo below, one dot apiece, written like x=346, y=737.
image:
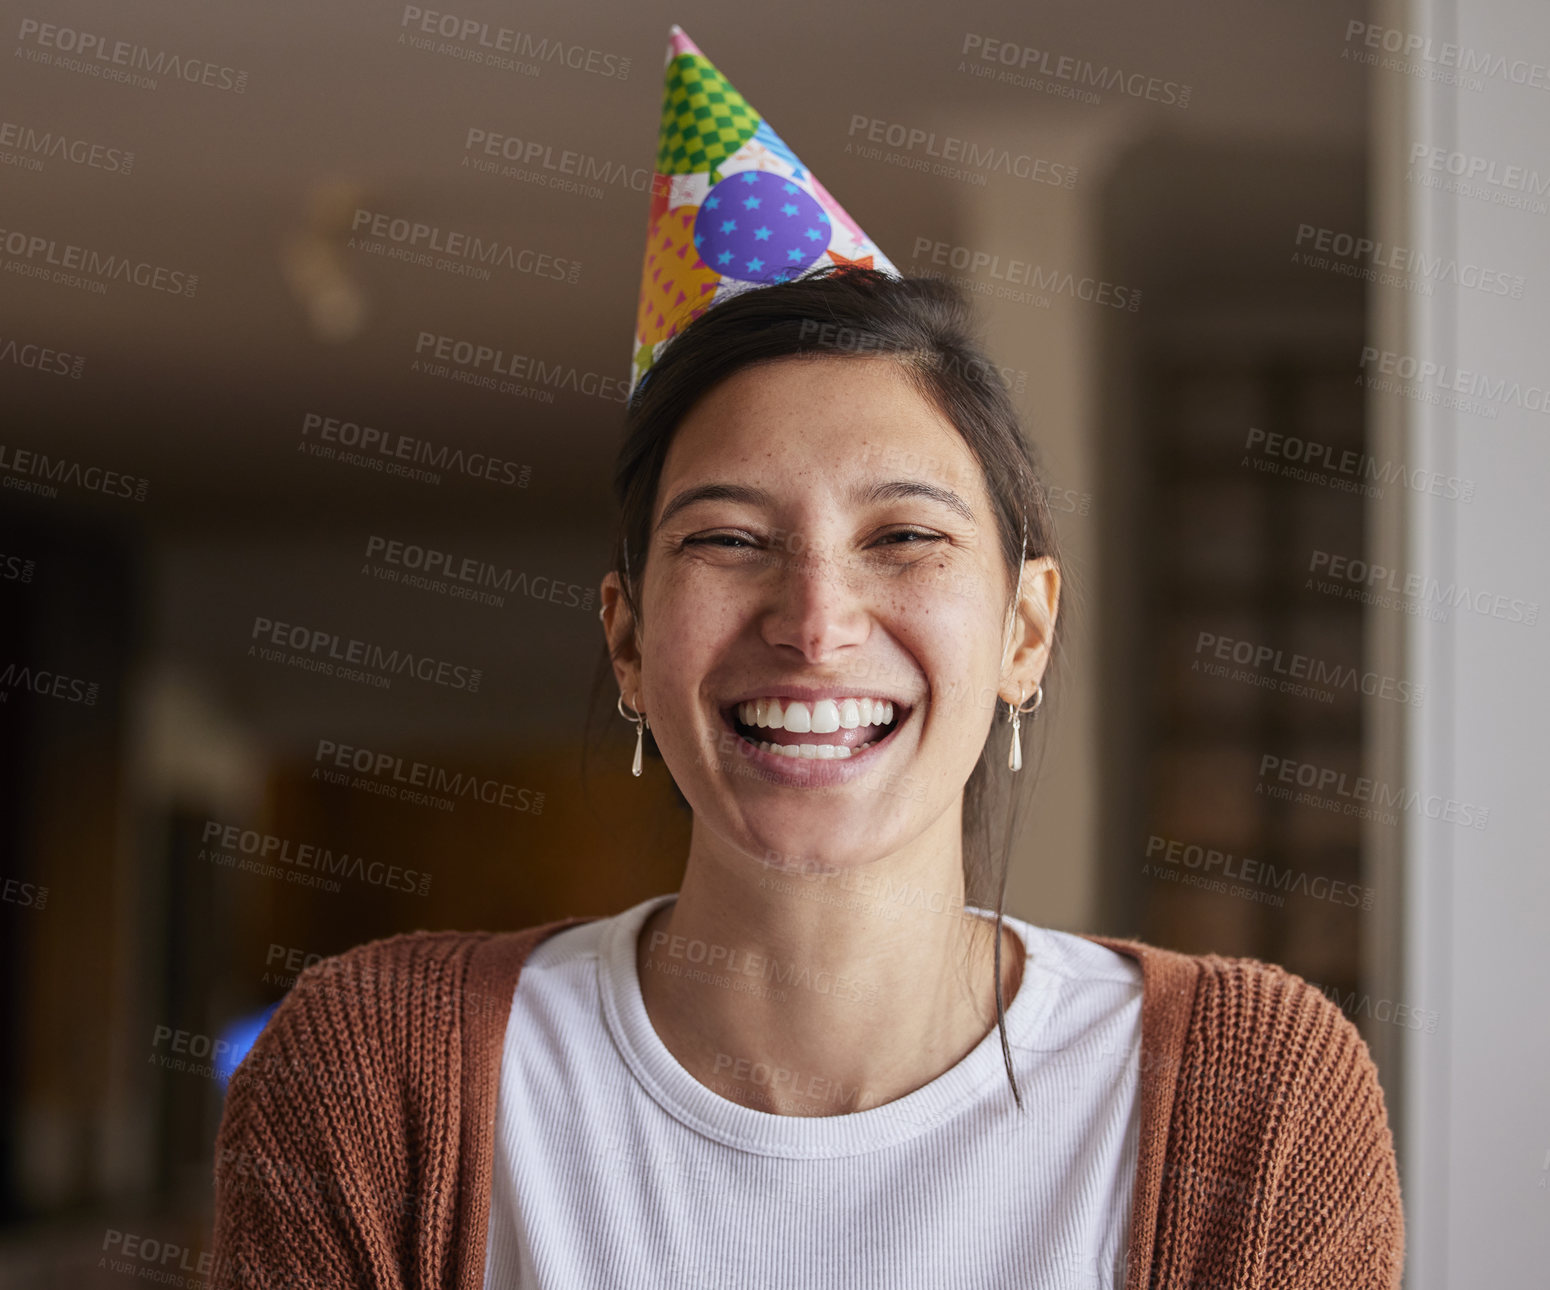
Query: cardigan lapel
x=1168, y=981
x=489, y=982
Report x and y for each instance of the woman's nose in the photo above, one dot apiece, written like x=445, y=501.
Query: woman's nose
x=819, y=603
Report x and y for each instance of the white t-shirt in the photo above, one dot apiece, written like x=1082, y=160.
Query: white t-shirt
x=614, y=1167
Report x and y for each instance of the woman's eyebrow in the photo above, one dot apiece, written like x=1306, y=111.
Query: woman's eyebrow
x=895, y=489
x=883, y=491
x=716, y=493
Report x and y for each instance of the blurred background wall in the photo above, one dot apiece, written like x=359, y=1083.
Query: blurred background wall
x=1268, y=504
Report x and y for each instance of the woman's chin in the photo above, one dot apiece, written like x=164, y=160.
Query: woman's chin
x=819, y=843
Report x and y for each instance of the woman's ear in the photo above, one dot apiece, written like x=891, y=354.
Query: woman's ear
x=1033, y=628
x=619, y=628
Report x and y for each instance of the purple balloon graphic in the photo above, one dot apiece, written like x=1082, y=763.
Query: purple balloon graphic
x=760, y=227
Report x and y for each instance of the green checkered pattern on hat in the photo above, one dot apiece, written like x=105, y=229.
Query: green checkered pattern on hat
x=704, y=120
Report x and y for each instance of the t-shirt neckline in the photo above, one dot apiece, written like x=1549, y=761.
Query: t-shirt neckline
x=705, y=1111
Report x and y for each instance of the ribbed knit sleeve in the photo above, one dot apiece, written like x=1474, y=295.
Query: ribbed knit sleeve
x=336, y=1155
x=1281, y=1171
x=1336, y=1216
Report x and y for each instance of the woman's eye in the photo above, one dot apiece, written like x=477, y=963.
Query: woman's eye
x=717, y=539
x=912, y=533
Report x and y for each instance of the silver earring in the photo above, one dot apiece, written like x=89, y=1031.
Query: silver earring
x=1015, y=714
x=642, y=724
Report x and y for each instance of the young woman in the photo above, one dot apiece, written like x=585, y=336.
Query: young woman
x=829, y=1059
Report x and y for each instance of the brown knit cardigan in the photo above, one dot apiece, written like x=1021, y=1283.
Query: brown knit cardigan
x=356, y=1144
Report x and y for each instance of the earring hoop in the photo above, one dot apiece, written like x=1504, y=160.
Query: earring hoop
x=642, y=724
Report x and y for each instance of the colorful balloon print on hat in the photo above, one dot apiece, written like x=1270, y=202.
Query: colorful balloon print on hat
x=732, y=207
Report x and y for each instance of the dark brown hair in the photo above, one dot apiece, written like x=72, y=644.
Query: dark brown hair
x=847, y=313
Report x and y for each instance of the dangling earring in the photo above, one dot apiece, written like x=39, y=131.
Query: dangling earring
x=1015, y=714
x=642, y=724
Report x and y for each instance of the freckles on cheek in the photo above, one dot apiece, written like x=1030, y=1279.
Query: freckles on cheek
x=690, y=629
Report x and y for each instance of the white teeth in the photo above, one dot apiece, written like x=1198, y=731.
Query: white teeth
x=820, y=752
x=823, y=752
x=823, y=717
x=826, y=717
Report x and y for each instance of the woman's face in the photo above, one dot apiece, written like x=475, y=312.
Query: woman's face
x=821, y=536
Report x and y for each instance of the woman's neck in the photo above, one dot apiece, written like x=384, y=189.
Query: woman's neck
x=821, y=994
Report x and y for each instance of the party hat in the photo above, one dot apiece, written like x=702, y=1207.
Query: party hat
x=732, y=207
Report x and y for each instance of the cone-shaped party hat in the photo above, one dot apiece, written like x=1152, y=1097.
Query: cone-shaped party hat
x=732, y=207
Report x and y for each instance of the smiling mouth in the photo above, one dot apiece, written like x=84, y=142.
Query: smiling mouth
x=837, y=745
